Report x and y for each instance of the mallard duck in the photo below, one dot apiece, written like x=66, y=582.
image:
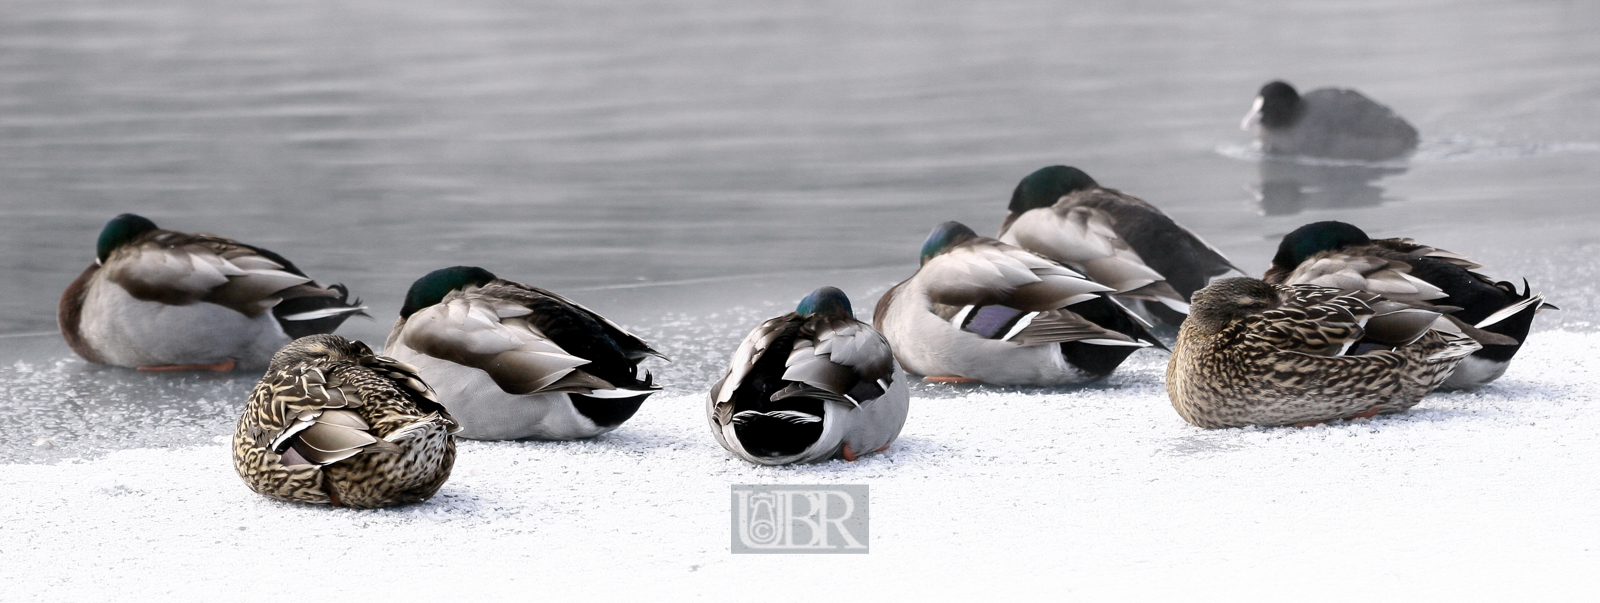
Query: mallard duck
x=1330, y=123
x=808, y=386
x=513, y=361
x=979, y=310
x=162, y=300
x=331, y=423
x=1117, y=240
x=1337, y=254
x=1254, y=353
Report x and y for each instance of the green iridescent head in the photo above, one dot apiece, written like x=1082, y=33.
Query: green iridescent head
x=432, y=287
x=827, y=301
x=1048, y=185
x=943, y=237
x=120, y=231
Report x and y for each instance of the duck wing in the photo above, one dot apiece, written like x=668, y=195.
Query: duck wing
x=1355, y=268
x=1185, y=260
x=838, y=359
x=634, y=347
x=1084, y=238
x=1314, y=320
x=988, y=272
x=313, y=416
x=1412, y=248
x=500, y=337
x=178, y=269
x=748, y=355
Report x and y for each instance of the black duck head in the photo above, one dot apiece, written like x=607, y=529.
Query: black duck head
x=1276, y=106
x=1315, y=238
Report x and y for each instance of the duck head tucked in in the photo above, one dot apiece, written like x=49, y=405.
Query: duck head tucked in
x=433, y=286
x=1045, y=186
x=158, y=299
x=332, y=423
x=945, y=237
x=120, y=231
x=1254, y=353
x=1225, y=301
x=514, y=361
x=318, y=348
x=1152, y=263
x=981, y=310
x=1340, y=255
x=827, y=301
x=1316, y=237
x=808, y=386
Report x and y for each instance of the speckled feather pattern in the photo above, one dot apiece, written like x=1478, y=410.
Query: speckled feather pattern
x=411, y=449
x=1272, y=368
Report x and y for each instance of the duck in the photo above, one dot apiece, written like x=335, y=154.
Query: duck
x=158, y=299
x=982, y=311
x=1327, y=123
x=331, y=423
x=1255, y=353
x=1116, y=239
x=808, y=386
x=1495, y=313
x=516, y=362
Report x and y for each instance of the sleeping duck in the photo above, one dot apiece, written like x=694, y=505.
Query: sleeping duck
x=512, y=361
x=158, y=299
x=1328, y=123
x=1337, y=254
x=1255, y=353
x=979, y=310
x=808, y=386
x=331, y=423
x=1115, y=239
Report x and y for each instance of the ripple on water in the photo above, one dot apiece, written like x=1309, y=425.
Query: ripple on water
x=1447, y=149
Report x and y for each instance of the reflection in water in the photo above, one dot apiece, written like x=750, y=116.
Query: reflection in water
x=1288, y=187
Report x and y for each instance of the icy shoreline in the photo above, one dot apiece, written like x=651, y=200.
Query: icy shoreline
x=1100, y=491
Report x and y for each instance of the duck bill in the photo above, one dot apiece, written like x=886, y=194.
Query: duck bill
x=1254, y=116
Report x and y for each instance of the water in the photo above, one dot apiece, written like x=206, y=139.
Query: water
x=690, y=170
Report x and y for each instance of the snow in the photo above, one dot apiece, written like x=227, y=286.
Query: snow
x=1099, y=492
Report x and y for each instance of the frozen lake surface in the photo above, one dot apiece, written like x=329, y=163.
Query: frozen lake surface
x=690, y=170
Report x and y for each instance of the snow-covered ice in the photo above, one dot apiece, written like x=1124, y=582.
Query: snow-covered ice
x=1101, y=492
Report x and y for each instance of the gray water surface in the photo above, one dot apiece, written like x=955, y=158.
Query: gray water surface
x=691, y=168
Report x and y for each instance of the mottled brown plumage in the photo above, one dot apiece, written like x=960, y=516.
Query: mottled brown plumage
x=1253, y=353
x=332, y=423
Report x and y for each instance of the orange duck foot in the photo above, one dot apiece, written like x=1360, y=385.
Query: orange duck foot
x=221, y=367
x=949, y=379
x=1366, y=414
x=850, y=455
